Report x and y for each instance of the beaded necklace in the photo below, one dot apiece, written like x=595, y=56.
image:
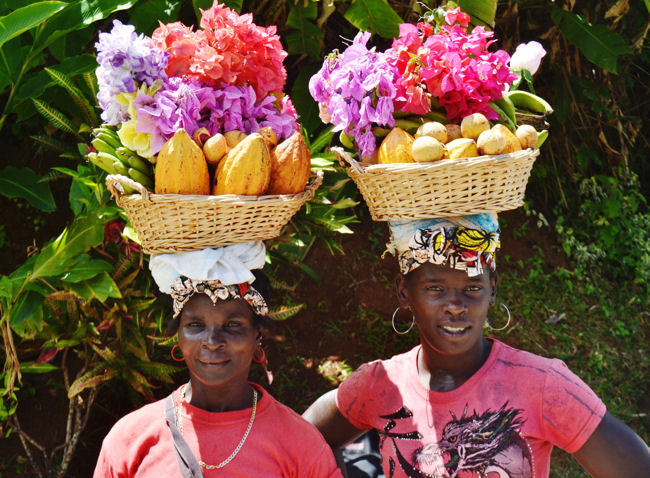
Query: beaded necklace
x=179, y=423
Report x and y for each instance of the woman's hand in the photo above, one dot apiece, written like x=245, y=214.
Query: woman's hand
x=325, y=415
x=614, y=451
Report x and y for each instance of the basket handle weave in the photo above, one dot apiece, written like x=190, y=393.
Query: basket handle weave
x=120, y=186
x=311, y=188
x=344, y=157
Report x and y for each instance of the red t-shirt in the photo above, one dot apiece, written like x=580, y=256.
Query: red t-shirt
x=502, y=422
x=280, y=444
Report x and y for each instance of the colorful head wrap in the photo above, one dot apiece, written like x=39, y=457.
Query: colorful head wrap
x=183, y=288
x=222, y=273
x=465, y=243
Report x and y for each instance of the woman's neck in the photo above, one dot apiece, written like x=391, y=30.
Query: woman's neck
x=443, y=372
x=219, y=398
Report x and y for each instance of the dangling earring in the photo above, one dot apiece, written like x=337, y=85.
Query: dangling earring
x=410, y=326
x=182, y=359
x=487, y=324
x=260, y=357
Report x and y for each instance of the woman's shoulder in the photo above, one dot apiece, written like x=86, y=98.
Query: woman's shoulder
x=137, y=422
x=511, y=356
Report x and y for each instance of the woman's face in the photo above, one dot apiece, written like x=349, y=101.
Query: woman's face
x=450, y=307
x=218, y=341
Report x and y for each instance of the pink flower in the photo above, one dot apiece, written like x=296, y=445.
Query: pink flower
x=456, y=16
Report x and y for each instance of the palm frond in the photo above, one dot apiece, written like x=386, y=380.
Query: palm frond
x=55, y=117
x=75, y=93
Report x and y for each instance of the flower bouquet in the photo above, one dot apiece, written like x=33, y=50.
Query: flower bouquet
x=434, y=119
x=202, y=147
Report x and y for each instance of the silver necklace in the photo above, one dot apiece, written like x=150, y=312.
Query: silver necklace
x=179, y=423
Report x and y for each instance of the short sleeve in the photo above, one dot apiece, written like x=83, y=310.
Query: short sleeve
x=354, y=395
x=571, y=411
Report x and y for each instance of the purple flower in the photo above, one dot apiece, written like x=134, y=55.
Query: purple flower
x=356, y=89
x=126, y=60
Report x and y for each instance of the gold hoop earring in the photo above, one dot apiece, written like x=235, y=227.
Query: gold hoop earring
x=410, y=326
x=487, y=324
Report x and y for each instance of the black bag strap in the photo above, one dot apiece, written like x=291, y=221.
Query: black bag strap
x=187, y=462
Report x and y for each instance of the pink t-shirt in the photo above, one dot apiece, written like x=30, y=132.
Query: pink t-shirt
x=280, y=444
x=501, y=423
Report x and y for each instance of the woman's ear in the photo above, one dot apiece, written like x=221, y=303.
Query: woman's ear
x=494, y=279
x=401, y=290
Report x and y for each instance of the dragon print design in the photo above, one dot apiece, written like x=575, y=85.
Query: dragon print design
x=485, y=445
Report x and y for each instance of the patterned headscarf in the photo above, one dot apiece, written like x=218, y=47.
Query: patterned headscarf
x=183, y=288
x=465, y=243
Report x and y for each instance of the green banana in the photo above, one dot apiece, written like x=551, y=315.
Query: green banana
x=504, y=119
x=408, y=125
x=436, y=116
x=120, y=167
x=508, y=107
x=541, y=137
x=380, y=132
x=530, y=102
x=102, y=146
x=143, y=179
x=102, y=162
x=133, y=160
x=113, y=141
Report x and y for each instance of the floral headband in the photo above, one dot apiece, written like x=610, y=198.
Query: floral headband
x=183, y=288
x=460, y=247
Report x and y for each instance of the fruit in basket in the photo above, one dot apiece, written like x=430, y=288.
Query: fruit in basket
x=512, y=143
x=491, y=142
x=453, y=132
x=434, y=129
x=473, y=125
x=396, y=147
x=215, y=148
x=527, y=136
x=290, y=166
x=269, y=136
x=427, y=148
x=461, y=148
x=181, y=167
x=234, y=137
x=246, y=169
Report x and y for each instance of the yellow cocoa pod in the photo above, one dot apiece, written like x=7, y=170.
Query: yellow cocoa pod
x=473, y=125
x=512, y=142
x=215, y=148
x=491, y=142
x=246, y=169
x=461, y=148
x=269, y=136
x=181, y=167
x=234, y=137
x=396, y=147
x=290, y=166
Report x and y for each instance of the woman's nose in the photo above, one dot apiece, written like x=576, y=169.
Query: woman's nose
x=455, y=304
x=213, y=337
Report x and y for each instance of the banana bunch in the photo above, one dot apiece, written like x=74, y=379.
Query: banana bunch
x=517, y=107
x=111, y=156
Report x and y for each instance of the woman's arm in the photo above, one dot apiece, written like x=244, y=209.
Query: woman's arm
x=325, y=415
x=614, y=451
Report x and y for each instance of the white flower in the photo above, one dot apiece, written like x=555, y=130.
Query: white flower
x=527, y=56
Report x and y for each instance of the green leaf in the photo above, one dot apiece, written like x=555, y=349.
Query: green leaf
x=146, y=15
x=86, y=268
x=480, y=11
x=305, y=39
x=285, y=312
x=26, y=18
x=53, y=144
x=305, y=105
x=100, y=287
x=92, y=379
x=26, y=184
x=55, y=117
x=375, y=16
x=56, y=257
x=598, y=44
x=323, y=139
x=75, y=93
x=26, y=315
x=12, y=58
x=77, y=15
x=205, y=4
x=33, y=367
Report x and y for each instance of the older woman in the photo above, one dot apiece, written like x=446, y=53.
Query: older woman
x=462, y=405
x=218, y=423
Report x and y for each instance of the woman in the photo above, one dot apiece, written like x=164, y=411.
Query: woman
x=461, y=405
x=219, y=423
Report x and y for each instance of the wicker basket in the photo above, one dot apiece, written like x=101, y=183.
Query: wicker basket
x=177, y=222
x=450, y=187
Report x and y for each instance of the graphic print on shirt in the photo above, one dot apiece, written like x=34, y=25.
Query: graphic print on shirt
x=486, y=445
